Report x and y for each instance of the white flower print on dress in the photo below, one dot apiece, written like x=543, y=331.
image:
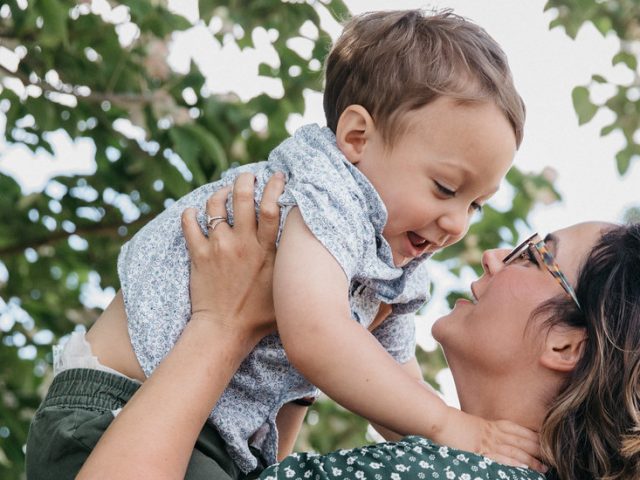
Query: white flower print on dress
x=462, y=458
x=444, y=452
x=457, y=465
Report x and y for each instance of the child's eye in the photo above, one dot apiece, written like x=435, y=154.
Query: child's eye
x=444, y=190
x=476, y=207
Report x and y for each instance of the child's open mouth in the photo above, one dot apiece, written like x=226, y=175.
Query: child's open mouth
x=419, y=244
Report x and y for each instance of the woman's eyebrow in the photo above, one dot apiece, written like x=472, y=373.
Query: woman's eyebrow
x=552, y=243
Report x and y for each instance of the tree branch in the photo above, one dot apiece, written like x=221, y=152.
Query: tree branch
x=93, y=97
x=105, y=229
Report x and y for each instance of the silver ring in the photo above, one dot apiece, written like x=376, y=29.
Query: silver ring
x=213, y=221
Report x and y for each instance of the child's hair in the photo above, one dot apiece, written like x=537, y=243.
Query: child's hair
x=394, y=62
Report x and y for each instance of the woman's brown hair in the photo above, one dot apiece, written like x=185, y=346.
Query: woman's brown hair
x=592, y=429
x=393, y=62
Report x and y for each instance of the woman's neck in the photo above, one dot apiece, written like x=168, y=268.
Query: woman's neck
x=523, y=398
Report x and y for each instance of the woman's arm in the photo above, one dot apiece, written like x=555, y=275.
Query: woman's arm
x=226, y=324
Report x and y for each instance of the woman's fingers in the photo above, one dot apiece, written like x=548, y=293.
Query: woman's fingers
x=270, y=212
x=518, y=458
x=192, y=232
x=520, y=437
x=244, y=212
x=519, y=446
x=533, y=464
x=217, y=211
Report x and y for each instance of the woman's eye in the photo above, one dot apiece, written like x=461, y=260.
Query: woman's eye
x=528, y=257
x=444, y=190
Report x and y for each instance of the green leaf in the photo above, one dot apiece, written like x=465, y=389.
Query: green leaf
x=598, y=79
x=582, y=105
x=139, y=9
x=606, y=130
x=623, y=160
x=44, y=113
x=206, y=8
x=188, y=149
x=338, y=10
x=211, y=147
x=55, y=16
x=627, y=58
x=603, y=24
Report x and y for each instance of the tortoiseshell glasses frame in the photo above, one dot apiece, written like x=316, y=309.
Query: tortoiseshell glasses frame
x=535, y=249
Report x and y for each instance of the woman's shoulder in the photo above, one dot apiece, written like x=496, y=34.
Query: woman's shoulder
x=412, y=457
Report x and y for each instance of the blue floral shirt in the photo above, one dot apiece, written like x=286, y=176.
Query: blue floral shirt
x=344, y=212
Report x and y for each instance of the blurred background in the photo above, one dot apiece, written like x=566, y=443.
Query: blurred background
x=110, y=111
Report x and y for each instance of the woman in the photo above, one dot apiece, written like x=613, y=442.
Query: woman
x=556, y=360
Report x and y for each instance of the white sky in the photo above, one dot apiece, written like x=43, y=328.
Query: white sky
x=546, y=66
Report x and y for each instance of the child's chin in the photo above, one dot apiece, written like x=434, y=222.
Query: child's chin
x=400, y=261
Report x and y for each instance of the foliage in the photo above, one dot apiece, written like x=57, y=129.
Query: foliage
x=157, y=134
x=622, y=19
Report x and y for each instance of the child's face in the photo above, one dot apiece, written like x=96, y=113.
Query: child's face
x=447, y=164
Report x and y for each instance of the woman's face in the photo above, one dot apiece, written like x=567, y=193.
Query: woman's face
x=494, y=336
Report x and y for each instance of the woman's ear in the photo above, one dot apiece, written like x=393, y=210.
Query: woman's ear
x=563, y=348
x=354, y=130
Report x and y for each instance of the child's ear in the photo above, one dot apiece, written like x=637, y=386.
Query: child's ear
x=354, y=130
x=563, y=348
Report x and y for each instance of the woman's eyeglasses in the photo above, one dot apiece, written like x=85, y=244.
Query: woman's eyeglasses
x=534, y=249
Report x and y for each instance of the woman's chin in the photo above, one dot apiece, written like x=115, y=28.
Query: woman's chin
x=439, y=327
x=445, y=327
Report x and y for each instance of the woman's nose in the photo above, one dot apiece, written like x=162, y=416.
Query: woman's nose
x=492, y=260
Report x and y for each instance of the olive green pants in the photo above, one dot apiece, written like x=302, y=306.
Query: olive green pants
x=78, y=409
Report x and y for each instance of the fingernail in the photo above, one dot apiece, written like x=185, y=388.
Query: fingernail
x=279, y=175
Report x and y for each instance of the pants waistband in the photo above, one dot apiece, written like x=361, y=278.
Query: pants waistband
x=90, y=389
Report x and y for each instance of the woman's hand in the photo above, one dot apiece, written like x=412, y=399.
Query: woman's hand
x=232, y=268
x=232, y=309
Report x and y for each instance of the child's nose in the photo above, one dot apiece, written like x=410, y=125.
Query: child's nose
x=492, y=260
x=455, y=223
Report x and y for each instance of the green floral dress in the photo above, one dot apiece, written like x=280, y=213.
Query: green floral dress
x=411, y=458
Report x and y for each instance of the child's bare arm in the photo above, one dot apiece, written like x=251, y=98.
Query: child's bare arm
x=289, y=421
x=345, y=361
x=413, y=369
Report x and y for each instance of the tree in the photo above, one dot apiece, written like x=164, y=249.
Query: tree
x=621, y=18
x=78, y=73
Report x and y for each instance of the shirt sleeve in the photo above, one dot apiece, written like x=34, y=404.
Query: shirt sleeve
x=334, y=219
x=397, y=334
